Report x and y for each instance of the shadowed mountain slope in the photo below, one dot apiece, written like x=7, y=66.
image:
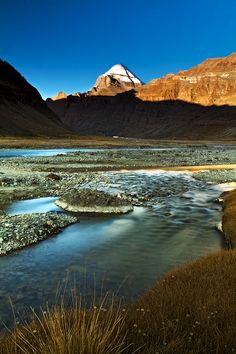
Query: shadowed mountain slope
x=128, y=116
x=199, y=103
x=22, y=109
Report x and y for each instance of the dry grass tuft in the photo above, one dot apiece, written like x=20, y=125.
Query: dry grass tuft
x=62, y=331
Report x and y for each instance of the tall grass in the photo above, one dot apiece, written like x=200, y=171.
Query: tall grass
x=192, y=310
x=229, y=218
x=58, y=330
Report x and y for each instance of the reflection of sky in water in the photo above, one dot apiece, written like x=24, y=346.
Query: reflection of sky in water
x=126, y=252
x=53, y=152
x=41, y=205
x=33, y=152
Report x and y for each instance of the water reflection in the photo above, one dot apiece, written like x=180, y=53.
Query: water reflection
x=40, y=205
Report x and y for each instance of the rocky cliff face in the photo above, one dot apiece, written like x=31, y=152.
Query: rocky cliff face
x=22, y=109
x=213, y=82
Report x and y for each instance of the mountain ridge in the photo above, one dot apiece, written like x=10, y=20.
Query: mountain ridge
x=22, y=109
x=190, y=104
x=212, y=82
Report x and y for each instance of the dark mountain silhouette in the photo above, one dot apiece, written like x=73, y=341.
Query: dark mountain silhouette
x=22, y=109
x=128, y=116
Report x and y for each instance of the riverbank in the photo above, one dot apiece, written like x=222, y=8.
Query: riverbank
x=18, y=231
x=203, y=304
x=199, y=318
x=229, y=218
x=95, y=141
x=45, y=176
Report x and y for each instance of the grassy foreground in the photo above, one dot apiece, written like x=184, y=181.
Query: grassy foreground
x=229, y=218
x=191, y=310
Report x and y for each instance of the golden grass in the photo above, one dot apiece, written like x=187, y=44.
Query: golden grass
x=62, y=331
x=229, y=218
x=194, y=168
x=191, y=310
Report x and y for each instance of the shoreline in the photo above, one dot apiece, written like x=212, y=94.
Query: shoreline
x=44, y=176
x=98, y=141
x=195, y=306
x=229, y=218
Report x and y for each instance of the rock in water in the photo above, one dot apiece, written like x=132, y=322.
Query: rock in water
x=92, y=201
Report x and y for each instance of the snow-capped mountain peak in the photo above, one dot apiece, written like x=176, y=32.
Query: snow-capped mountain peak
x=122, y=73
x=116, y=80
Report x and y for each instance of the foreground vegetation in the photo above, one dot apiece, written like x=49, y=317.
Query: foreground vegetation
x=191, y=310
x=229, y=218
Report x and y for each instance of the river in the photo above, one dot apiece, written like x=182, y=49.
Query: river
x=124, y=254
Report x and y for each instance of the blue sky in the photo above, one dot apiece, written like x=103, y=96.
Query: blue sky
x=64, y=45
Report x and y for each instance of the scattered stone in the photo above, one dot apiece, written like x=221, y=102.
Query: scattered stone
x=18, y=231
x=54, y=177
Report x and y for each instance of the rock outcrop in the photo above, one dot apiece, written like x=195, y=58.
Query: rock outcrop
x=59, y=96
x=87, y=200
x=22, y=109
x=213, y=82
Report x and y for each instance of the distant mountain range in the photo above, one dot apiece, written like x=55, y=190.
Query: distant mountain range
x=196, y=104
x=199, y=103
x=213, y=82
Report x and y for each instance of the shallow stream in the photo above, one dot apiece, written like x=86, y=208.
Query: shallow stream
x=124, y=254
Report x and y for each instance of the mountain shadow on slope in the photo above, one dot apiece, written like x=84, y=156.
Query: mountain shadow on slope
x=22, y=109
x=128, y=116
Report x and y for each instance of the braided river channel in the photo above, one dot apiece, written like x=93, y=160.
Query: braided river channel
x=122, y=254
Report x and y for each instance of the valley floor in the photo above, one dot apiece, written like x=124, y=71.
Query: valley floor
x=96, y=141
x=200, y=318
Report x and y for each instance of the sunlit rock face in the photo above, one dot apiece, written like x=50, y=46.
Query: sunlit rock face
x=196, y=104
x=212, y=82
x=116, y=80
x=60, y=96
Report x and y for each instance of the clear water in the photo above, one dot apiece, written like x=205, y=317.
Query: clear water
x=52, y=152
x=126, y=253
x=33, y=152
x=41, y=205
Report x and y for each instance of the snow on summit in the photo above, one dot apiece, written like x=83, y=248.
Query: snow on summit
x=122, y=73
x=116, y=80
